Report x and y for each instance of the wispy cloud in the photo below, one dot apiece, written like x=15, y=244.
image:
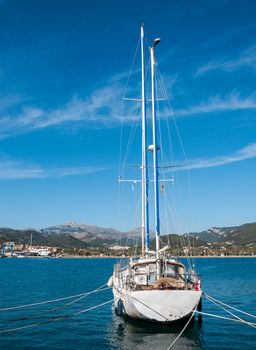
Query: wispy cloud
x=9, y=101
x=13, y=170
x=248, y=152
x=217, y=104
x=102, y=107
x=246, y=59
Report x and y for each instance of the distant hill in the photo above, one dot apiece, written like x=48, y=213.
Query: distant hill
x=94, y=236
x=64, y=240
x=74, y=235
x=244, y=234
x=213, y=234
x=85, y=233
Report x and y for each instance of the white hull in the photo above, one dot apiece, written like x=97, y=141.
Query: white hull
x=158, y=305
x=43, y=252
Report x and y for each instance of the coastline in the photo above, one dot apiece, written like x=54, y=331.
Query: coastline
x=127, y=257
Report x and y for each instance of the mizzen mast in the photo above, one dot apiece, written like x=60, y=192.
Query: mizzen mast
x=144, y=163
x=155, y=155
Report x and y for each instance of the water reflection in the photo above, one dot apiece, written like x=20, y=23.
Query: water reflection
x=135, y=334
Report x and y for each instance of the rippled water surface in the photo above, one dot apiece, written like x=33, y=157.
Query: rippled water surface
x=22, y=281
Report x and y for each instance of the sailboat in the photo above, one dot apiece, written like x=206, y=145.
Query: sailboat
x=154, y=287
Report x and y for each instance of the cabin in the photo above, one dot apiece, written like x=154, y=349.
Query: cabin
x=142, y=275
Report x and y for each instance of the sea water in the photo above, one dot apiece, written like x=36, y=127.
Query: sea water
x=30, y=280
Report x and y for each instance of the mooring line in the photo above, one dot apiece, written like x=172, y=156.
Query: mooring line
x=49, y=301
x=36, y=315
x=180, y=334
x=229, y=306
x=158, y=313
x=184, y=328
x=231, y=313
x=221, y=317
x=56, y=319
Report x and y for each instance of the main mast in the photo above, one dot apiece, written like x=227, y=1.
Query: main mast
x=155, y=155
x=144, y=163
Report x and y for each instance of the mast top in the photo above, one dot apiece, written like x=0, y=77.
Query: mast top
x=156, y=42
x=142, y=30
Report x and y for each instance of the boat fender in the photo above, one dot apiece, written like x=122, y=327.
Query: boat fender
x=120, y=308
x=110, y=282
x=200, y=305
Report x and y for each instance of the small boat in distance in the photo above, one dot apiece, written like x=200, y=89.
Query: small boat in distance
x=154, y=287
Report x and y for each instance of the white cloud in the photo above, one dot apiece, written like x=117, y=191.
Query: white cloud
x=13, y=170
x=103, y=107
x=248, y=152
x=216, y=103
x=247, y=59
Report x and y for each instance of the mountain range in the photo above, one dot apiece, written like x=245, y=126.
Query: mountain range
x=74, y=235
x=242, y=235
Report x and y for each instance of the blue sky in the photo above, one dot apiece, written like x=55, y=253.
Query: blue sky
x=63, y=70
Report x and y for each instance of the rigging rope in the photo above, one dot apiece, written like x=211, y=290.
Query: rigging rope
x=124, y=92
x=121, y=168
x=168, y=106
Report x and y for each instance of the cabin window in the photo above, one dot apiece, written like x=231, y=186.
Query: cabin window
x=141, y=269
x=152, y=268
x=152, y=274
x=172, y=271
